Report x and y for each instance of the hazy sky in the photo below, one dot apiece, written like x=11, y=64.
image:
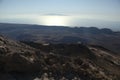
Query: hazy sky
x=100, y=13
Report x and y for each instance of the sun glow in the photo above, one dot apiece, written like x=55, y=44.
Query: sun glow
x=55, y=20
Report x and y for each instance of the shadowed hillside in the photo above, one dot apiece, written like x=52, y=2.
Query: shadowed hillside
x=60, y=34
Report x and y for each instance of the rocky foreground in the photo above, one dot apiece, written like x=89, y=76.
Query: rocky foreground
x=19, y=61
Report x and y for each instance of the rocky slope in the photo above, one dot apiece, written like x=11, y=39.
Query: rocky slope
x=56, y=62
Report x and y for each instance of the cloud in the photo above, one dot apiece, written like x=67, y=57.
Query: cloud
x=55, y=14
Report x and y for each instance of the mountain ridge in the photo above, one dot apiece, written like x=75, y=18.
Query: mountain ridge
x=57, y=34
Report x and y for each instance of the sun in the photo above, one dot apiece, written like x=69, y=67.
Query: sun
x=55, y=20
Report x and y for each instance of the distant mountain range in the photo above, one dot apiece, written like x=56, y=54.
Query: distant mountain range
x=61, y=34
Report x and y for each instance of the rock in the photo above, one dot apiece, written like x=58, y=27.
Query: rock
x=20, y=61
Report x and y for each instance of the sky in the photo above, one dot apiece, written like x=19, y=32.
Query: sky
x=73, y=13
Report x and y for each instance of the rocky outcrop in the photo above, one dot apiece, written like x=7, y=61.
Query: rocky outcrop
x=53, y=62
x=15, y=56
